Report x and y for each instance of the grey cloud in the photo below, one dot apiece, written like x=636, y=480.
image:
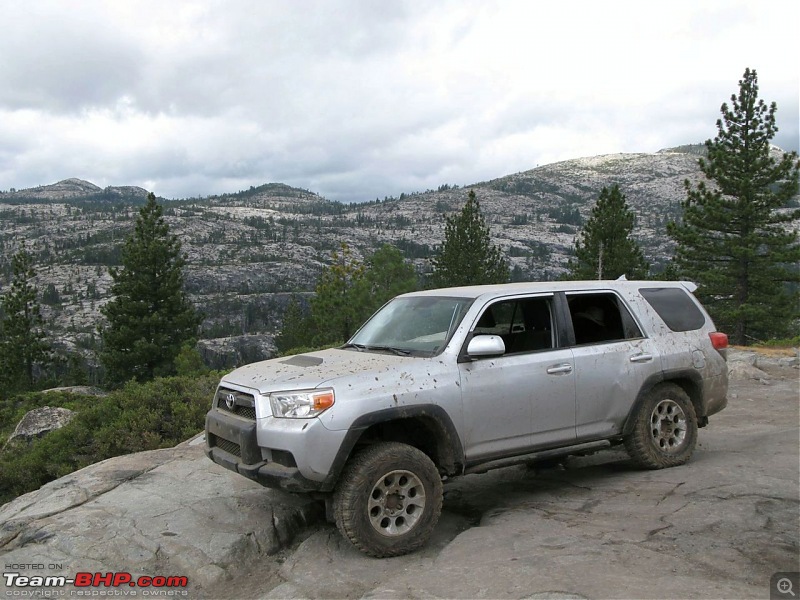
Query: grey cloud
x=272, y=59
x=352, y=99
x=64, y=66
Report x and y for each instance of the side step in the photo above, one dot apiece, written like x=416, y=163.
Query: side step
x=579, y=449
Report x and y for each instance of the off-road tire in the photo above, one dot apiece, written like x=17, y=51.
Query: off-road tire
x=664, y=432
x=388, y=499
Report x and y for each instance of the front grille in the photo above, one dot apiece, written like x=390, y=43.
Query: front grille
x=244, y=405
x=248, y=412
x=230, y=447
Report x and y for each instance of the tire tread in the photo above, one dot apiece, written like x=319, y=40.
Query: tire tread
x=357, y=476
x=638, y=442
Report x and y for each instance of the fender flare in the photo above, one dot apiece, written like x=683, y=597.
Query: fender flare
x=430, y=411
x=666, y=377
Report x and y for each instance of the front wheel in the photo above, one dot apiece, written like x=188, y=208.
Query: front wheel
x=388, y=499
x=664, y=430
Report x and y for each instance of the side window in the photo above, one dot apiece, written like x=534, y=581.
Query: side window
x=675, y=307
x=525, y=324
x=600, y=318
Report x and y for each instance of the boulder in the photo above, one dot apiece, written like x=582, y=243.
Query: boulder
x=83, y=390
x=744, y=370
x=744, y=364
x=747, y=364
x=742, y=356
x=230, y=352
x=40, y=421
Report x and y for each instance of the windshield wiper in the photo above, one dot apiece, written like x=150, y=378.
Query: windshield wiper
x=359, y=347
x=397, y=351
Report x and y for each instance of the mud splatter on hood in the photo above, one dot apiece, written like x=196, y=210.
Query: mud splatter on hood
x=307, y=371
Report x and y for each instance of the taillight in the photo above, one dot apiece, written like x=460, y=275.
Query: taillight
x=718, y=340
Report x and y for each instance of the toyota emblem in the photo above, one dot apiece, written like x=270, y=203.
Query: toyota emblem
x=230, y=401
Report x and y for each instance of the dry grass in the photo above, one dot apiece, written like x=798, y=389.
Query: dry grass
x=768, y=351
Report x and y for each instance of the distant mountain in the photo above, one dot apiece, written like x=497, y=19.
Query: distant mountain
x=249, y=251
x=75, y=190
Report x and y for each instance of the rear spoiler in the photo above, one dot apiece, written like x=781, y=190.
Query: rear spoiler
x=689, y=285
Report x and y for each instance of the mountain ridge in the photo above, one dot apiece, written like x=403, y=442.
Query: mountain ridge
x=249, y=251
x=81, y=189
x=74, y=189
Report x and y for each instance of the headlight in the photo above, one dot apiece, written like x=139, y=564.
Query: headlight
x=301, y=405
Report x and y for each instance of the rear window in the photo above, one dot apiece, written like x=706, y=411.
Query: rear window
x=601, y=317
x=675, y=307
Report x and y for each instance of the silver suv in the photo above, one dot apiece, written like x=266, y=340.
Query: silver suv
x=462, y=380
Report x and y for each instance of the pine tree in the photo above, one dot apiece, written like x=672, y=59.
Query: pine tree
x=337, y=308
x=467, y=255
x=150, y=317
x=347, y=293
x=296, y=328
x=387, y=275
x=604, y=248
x=733, y=240
x=22, y=338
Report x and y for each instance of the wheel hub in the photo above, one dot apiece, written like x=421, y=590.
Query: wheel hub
x=396, y=503
x=668, y=426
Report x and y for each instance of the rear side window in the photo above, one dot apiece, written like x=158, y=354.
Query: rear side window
x=675, y=307
x=601, y=317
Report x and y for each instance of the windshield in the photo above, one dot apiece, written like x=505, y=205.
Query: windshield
x=419, y=325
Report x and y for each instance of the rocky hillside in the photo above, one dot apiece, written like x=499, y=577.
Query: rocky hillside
x=249, y=251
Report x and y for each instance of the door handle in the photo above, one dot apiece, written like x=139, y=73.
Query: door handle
x=641, y=358
x=563, y=368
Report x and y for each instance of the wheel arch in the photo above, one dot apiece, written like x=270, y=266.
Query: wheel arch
x=426, y=427
x=689, y=381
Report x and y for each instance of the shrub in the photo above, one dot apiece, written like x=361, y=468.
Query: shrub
x=157, y=414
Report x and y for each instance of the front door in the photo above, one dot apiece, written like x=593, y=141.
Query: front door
x=524, y=399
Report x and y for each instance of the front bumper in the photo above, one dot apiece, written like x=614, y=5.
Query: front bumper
x=231, y=442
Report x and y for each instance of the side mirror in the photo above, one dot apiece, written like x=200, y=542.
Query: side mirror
x=486, y=345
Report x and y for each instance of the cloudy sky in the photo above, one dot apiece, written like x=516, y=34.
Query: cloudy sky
x=358, y=99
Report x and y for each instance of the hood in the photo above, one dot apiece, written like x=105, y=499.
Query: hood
x=307, y=371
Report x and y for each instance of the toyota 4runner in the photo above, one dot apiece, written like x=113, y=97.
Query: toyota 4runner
x=452, y=381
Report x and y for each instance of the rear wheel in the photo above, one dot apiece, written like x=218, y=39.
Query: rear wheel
x=664, y=430
x=388, y=499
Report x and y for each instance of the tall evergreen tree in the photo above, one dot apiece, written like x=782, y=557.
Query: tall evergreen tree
x=347, y=293
x=22, y=337
x=604, y=248
x=467, y=255
x=296, y=328
x=150, y=317
x=337, y=308
x=732, y=239
x=387, y=275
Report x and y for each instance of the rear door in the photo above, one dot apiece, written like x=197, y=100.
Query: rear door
x=612, y=360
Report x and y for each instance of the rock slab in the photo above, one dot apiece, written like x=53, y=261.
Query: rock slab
x=164, y=512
